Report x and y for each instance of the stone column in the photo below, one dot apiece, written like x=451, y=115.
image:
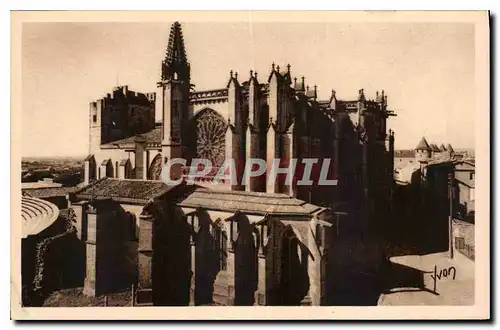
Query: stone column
x=80, y=209
x=315, y=241
x=145, y=260
x=233, y=148
x=86, y=173
x=232, y=230
x=145, y=166
x=91, y=287
x=288, y=157
x=192, y=290
x=231, y=277
x=140, y=161
x=252, y=151
x=272, y=153
x=260, y=294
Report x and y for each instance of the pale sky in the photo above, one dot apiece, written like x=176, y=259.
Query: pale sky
x=427, y=71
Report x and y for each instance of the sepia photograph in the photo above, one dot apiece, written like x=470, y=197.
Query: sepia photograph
x=301, y=163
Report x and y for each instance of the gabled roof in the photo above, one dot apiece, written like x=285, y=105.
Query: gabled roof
x=248, y=202
x=442, y=147
x=48, y=192
x=450, y=149
x=423, y=145
x=434, y=148
x=124, y=162
x=233, y=80
x=151, y=137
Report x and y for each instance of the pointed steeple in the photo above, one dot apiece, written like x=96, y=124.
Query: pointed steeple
x=176, y=52
x=423, y=145
x=175, y=65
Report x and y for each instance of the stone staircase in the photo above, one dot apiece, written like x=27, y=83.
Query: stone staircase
x=222, y=293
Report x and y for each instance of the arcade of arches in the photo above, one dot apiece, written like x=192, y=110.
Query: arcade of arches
x=197, y=256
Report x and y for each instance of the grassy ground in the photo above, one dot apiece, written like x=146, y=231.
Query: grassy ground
x=76, y=298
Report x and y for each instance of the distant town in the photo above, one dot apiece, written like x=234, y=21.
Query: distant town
x=65, y=170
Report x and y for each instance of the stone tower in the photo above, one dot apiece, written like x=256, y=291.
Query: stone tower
x=174, y=89
x=423, y=151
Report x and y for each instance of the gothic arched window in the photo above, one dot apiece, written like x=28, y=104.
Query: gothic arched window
x=154, y=172
x=210, y=136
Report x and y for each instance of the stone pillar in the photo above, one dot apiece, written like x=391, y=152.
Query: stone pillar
x=233, y=149
x=231, y=228
x=102, y=171
x=144, y=166
x=252, y=151
x=92, y=262
x=305, y=152
x=288, y=156
x=172, y=150
x=139, y=161
x=272, y=153
x=80, y=209
x=260, y=294
x=145, y=260
x=314, y=242
x=192, y=289
x=86, y=173
x=231, y=277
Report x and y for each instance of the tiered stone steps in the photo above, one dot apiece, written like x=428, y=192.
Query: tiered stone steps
x=221, y=295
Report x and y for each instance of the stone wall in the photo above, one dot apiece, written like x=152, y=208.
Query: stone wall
x=51, y=261
x=463, y=238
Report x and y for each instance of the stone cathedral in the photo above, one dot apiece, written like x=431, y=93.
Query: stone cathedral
x=252, y=243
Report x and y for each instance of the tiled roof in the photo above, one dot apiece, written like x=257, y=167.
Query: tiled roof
x=48, y=192
x=440, y=162
x=248, y=202
x=151, y=137
x=423, y=145
x=40, y=184
x=434, y=148
x=124, y=190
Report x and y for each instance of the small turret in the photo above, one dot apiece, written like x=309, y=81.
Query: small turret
x=423, y=151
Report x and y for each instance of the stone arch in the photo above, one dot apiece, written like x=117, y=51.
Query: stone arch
x=154, y=171
x=92, y=167
x=207, y=258
x=209, y=141
x=292, y=275
x=107, y=168
x=245, y=262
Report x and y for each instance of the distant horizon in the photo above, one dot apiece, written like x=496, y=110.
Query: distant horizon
x=23, y=158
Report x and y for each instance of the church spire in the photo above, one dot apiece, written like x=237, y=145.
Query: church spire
x=175, y=66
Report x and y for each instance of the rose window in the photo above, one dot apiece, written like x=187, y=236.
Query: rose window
x=211, y=137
